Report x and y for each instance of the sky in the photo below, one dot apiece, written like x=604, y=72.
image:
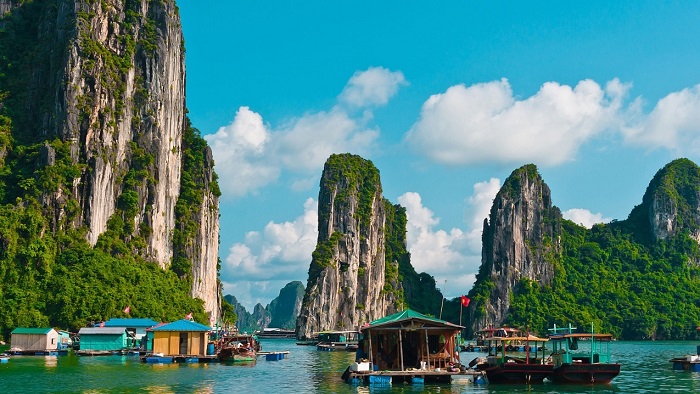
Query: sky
x=446, y=99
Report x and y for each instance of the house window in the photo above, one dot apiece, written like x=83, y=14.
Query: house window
x=53, y=341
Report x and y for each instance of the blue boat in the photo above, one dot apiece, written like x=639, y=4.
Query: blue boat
x=158, y=360
x=689, y=362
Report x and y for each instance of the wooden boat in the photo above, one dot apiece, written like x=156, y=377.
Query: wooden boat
x=337, y=340
x=508, y=368
x=590, y=366
x=238, y=348
x=689, y=362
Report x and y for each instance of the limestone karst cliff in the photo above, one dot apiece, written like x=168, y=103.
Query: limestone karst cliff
x=95, y=92
x=350, y=281
x=520, y=239
x=671, y=203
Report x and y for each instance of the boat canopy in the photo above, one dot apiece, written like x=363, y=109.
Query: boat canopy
x=530, y=337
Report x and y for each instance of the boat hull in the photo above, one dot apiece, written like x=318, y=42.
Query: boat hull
x=237, y=355
x=518, y=373
x=580, y=373
x=681, y=364
x=335, y=347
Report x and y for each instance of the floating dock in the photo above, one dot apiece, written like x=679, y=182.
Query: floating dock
x=410, y=376
x=157, y=359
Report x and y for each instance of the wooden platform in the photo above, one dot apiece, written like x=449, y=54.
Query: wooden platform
x=152, y=359
x=61, y=352
x=410, y=376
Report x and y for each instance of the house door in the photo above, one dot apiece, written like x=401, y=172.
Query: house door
x=183, y=343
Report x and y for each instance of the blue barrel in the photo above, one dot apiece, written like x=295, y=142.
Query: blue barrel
x=210, y=349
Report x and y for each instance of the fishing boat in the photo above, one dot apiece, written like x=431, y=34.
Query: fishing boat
x=588, y=366
x=507, y=367
x=689, y=362
x=330, y=341
x=238, y=348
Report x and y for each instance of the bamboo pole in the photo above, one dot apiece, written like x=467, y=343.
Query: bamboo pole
x=427, y=348
x=401, y=350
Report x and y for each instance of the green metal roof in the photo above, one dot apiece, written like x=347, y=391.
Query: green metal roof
x=31, y=331
x=181, y=325
x=408, y=315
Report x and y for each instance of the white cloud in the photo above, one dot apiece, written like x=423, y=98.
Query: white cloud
x=479, y=205
x=486, y=123
x=674, y=123
x=374, y=86
x=281, y=252
x=240, y=154
x=437, y=252
x=305, y=143
x=585, y=217
x=250, y=154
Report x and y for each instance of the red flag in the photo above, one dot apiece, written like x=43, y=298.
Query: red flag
x=465, y=301
x=127, y=309
x=188, y=316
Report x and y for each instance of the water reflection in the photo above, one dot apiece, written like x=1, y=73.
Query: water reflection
x=50, y=361
x=645, y=369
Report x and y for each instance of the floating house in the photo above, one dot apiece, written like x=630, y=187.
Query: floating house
x=64, y=340
x=407, y=347
x=136, y=327
x=180, y=338
x=104, y=339
x=337, y=340
x=34, y=340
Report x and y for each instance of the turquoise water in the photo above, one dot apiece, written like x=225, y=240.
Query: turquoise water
x=645, y=369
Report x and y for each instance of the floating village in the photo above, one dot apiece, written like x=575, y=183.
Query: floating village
x=403, y=348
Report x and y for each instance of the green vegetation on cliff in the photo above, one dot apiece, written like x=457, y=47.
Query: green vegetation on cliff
x=50, y=275
x=618, y=277
x=355, y=174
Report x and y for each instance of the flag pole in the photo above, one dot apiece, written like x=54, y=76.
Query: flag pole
x=443, y=298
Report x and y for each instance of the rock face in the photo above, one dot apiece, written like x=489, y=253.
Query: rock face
x=671, y=203
x=348, y=283
x=522, y=233
x=109, y=84
x=281, y=312
x=286, y=307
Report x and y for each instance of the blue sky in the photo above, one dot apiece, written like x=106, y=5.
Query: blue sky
x=446, y=99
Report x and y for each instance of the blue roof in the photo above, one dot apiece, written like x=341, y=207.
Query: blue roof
x=182, y=325
x=120, y=322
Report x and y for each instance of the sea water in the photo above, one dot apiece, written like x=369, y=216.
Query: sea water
x=645, y=369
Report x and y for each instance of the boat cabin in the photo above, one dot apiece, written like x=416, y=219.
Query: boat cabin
x=565, y=346
x=409, y=340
